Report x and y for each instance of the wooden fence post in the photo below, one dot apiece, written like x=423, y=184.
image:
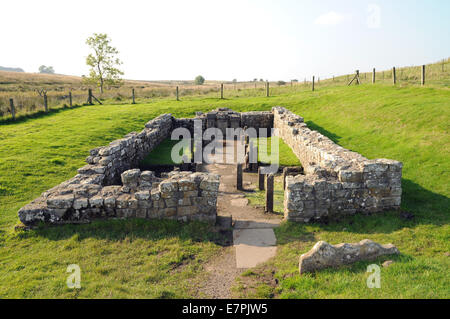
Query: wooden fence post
x=423, y=74
x=70, y=98
x=221, y=91
x=239, y=176
x=394, y=77
x=260, y=179
x=177, y=94
x=45, y=102
x=269, y=193
x=13, y=109
x=90, y=97
x=267, y=89
x=373, y=76
x=313, y=83
x=132, y=93
x=285, y=172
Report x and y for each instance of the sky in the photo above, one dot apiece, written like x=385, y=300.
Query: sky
x=225, y=40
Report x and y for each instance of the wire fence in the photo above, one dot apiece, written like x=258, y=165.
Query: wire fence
x=14, y=104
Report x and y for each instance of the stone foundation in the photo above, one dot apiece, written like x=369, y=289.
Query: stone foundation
x=337, y=181
x=107, y=188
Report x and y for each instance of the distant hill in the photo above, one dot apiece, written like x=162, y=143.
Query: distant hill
x=23, y=81
x=4, y=68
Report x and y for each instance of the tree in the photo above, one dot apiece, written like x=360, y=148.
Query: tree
x=103, y=62
x=46, y=69
x=199, y=80
x=281, y=83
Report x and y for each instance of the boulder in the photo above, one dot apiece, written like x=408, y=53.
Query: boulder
x=324, y=255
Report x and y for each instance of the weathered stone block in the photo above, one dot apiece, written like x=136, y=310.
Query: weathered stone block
x=324, y=255
x=60, y=201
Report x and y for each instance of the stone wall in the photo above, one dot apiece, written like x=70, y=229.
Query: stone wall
x=223, y=118
x=337, y=181
x=107, y=188
x=106, y=163
x=182, y=196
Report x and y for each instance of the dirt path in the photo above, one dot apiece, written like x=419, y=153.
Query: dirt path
x=253, y=238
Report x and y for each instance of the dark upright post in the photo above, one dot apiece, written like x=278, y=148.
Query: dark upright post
x=45, y=102
x=239, y=176
x=260, y=179
x=423, y=74
x=13, y=109
x=269, y=193
x=394, y=77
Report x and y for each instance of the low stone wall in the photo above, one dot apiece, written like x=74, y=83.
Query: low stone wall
x=182, y=196
x=95, y=191
x=223, y=118
x=337, y=181
x=105, y=164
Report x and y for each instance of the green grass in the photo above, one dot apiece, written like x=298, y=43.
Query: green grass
x=258, y=199
x=407, y=124
x=161, y=155
x=284, y=156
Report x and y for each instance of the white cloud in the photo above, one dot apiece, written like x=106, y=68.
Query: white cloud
x=329, y=18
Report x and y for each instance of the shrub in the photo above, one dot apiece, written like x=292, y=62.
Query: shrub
x=199, y=80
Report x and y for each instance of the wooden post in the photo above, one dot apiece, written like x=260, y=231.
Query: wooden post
x=313, y=83
x=90, y=97
x=239, y=176
x=373, y=76
x=269, y=193
x=221, y=91
x=132, y=93
x=423, y=74
x=70, y=98
x=45, y=102
x=394, y=78
x=177, y=94
x=13, y=109
x=285, y=172
x=260, y=179
x=267, y=89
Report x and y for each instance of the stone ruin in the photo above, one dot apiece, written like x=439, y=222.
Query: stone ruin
x=336, y=181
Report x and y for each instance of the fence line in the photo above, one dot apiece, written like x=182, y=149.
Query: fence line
x=26, y=103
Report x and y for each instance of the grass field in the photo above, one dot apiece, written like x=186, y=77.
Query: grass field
x=22, y=88
x=141, y=259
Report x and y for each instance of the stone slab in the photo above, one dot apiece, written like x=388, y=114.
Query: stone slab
x=253, y=246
